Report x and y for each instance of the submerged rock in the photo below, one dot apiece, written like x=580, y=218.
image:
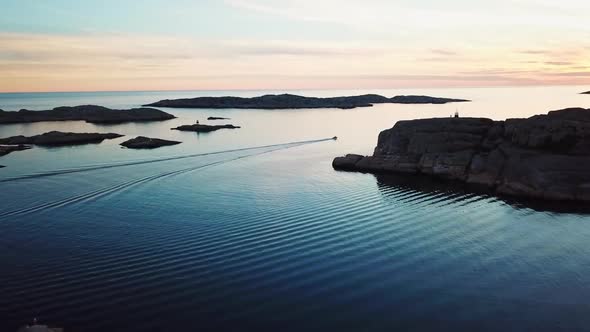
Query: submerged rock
x=289, y=101
x=142, y=142
x=545, y=156
x=217, y=118
x=201, y=128
x=55, y=138
x=88, y=113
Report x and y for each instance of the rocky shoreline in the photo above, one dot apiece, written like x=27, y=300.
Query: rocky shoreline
x=88, y=113
x=542, y=157
x=289, y=101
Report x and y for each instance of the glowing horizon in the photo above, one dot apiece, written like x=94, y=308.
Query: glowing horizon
x=264, y=44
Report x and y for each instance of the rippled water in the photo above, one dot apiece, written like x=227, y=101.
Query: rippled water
x=252, y=229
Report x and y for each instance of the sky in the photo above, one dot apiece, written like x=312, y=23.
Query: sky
x=108, y=45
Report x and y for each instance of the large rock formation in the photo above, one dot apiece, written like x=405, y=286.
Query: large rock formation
x=289, y=101
x=142, y=142
x=545, y=156
x=201, y=128
x=88, y=113
x=56, y=138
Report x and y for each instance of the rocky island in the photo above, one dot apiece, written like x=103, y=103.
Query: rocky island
x=217, y=118
x=542, y=157
x=57, y=138
x=201, y=128
x=88, y=113
x=142, y=142
x=289, y=101
x=586, y=93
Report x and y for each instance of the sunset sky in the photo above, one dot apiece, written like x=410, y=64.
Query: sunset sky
x=92, y=45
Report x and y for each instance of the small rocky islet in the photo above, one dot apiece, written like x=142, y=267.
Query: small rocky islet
x=6, y=149
x=202, y=128
x=542, y=157
x=52, y=138
x=586, y=93
x=58, y=138
x=142, y=142
x=88, y=113
x=290, y=101
x=212, y=118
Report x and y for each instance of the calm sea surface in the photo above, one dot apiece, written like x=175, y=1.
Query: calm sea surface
x=252, y=229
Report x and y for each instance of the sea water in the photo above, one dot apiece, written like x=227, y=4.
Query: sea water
x=252, y=229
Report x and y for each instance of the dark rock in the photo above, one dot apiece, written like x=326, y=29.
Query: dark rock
x=348, y=162
x=201, y=128
x=217, y=118
x=56, y=138
x=545, y=156
x=88, y=113
x=142, y=142
x=586, y=93
x=289, y=101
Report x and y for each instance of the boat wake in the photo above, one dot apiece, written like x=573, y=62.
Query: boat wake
x=97, y=194
x=150, y=161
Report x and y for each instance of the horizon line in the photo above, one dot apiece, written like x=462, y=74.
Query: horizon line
x=304, y=89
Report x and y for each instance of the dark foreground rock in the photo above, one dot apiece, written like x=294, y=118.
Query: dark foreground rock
x=57, y=138
x=88, y=113
x=545, y=156
x=217, y=118
x=201, y=128
x=142, y=142
x=289, y=101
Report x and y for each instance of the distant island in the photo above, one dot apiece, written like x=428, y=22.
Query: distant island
x=88, y=113
x=544, y=156
x=201, y=128
x=289, y=101
x=142, y=142
x=586, y=93
x=217, y=118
